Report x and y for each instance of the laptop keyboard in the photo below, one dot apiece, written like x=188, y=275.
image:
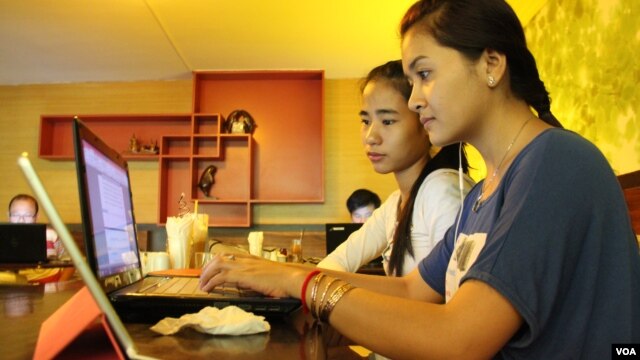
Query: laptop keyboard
x=190, y=286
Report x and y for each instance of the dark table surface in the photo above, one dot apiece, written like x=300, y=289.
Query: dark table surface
x=297, y=336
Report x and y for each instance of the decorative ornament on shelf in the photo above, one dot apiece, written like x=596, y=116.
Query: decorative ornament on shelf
x=183, y=208
x=207, y=179
x=151, y=148
x=239, y=122
x=136, y=148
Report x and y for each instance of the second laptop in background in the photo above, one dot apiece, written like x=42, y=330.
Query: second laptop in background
x=337, y=233
x=23, y=243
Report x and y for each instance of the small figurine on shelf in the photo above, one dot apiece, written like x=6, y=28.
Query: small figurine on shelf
x=239, y=122
x=207, y=179
x=152, y=148
x=183, y=208
x=134, y=147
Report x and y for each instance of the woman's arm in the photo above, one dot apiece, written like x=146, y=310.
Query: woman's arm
x=410, y=286
x=476, y=323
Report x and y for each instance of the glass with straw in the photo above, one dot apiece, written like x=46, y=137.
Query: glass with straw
x=296, y=248
x=200, y=233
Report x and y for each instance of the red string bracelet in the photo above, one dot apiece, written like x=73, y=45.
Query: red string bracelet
x=303, y=293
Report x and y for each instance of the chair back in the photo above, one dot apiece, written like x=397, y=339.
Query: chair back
x=631, y=186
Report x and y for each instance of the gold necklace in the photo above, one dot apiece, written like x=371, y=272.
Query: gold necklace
x=485, y=185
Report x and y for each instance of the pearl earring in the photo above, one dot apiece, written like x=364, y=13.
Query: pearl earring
x=491, y=81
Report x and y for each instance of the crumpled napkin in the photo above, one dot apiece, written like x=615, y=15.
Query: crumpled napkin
x=230, y=320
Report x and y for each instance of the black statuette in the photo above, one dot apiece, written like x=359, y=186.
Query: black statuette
x=207, y=179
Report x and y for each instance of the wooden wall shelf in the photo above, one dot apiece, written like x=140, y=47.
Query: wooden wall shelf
x=56, y=137
x=281, y=162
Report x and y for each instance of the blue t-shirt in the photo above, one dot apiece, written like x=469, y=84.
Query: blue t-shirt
x=554, y=239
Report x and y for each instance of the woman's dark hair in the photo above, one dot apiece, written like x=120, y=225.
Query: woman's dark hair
x=361, y=198
x=470, y=27
x=391, y=73
x=447, y=158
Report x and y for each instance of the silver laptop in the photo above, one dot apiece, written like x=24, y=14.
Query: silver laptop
x=118, y=329
x=112, y=250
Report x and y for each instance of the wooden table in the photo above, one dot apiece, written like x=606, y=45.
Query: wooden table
x=25, y=307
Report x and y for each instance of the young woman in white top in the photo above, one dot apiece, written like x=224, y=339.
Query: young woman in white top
x=414, y=218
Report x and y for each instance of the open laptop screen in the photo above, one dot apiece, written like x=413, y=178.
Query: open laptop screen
x=338, y=233
x=110, y=237
x=23, y=243
x=107, y=188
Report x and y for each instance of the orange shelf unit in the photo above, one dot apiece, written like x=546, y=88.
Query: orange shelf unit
x=56, y=137
x=281, y=162
x=288, y=107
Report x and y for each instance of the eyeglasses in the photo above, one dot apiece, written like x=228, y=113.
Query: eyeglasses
x=24, y=217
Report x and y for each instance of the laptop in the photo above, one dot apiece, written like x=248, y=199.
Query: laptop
x=337, y=233
x=23, y=243
x=109, y=229
x=50, y=348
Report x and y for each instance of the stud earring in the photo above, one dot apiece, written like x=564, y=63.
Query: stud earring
x=491, y=81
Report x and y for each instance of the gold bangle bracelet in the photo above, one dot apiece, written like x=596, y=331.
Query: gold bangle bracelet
x=314, y=292
x=333, y=300
x=324, y=294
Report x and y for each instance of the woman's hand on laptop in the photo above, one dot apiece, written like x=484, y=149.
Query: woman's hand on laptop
x=267, y=277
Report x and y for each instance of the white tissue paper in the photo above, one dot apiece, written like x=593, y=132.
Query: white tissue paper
x=230, y=320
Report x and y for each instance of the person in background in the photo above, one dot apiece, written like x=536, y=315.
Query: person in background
x=542, y=262
x=414, y=217
x=23, y=208
x=361, y=204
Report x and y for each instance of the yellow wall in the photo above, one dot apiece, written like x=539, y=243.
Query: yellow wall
x=20, y=110
x=588, y=54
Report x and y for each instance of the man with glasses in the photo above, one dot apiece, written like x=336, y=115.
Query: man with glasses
x=23, y=208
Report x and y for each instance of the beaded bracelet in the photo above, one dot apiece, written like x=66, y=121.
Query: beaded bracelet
x=336, y=295
x=303, y=293
x=314, y=292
